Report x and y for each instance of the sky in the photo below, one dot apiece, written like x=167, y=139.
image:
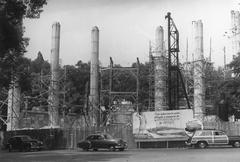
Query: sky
x=126, y=27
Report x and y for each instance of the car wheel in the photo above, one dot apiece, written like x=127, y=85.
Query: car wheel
x=112, y=148
x=236, y=144
x=9, y=148
x=85, y=149
x=27, y=148
x=95, y=149
x=121, y=149
x=202, y=145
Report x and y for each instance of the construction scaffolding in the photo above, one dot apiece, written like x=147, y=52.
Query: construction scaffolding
x=154, y=61
x=175, y=77
x=173, y=85
x=112, y=94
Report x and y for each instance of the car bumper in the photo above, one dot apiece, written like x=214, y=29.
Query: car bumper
x=36, y=147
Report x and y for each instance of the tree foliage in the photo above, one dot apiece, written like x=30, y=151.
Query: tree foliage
x=235, y=65
x=230, y=87
x=77, y=78
x=12, y=42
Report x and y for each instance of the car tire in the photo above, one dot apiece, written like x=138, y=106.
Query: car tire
x=86, y=147
x=10, y=148
x=202, y=145
x=236, y=144
x=112, y=148
x=27, y=148
x=95, y=149
x=121, y=149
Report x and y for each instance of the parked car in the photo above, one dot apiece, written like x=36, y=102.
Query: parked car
x=23, y=143
x=204, y=138
x=102, y=141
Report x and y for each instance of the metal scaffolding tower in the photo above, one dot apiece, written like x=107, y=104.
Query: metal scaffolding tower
x=153, y=60
x=175, y=77
x=110, y=80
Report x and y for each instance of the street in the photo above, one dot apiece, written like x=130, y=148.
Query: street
x=136, y=155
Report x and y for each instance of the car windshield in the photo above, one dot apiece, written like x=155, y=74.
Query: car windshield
x=26, y=138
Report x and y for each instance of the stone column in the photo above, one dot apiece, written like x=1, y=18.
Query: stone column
x=199, y=89
x=160, y=71
x=54, y=87
x=14, y=95
x=94, y=77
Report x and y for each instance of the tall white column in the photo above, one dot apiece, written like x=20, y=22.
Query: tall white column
x=160, y=71
x=14, y=99
x=54, y=87
x=199, y=89
x=94, y=76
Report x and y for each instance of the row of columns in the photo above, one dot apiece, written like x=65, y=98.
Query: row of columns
x=53, y=100
x=160, y=76
x=161, y=70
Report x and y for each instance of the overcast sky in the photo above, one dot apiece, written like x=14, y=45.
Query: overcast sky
x=126, y=27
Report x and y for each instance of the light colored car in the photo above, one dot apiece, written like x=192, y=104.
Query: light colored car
x=204, y=138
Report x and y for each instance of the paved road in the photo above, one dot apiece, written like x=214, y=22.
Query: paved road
x=141, y=155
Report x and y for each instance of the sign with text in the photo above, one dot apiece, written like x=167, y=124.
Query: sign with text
x=159, y=124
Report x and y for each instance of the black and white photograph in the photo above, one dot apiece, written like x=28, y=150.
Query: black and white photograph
x=119, y=80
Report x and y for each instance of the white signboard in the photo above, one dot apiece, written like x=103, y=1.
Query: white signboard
x=160, y=124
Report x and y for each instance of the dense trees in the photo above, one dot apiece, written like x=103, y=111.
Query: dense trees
x=13, y=64
x=230, y=87
x=12, y=42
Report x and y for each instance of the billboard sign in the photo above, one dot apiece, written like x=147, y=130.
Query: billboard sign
x=161, y=124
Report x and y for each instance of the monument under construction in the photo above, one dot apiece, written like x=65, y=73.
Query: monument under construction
x=54, y=85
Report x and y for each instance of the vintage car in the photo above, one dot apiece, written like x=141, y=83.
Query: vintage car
x=23, y=143
x=102, y=141
x=204, y=138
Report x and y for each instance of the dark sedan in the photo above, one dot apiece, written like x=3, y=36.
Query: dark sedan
x=23, y=143
x=102, y=141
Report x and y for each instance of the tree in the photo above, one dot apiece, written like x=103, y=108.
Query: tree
x=235, y=65
x=39, y=65
x=143, y=83
x=77, y=77
x=230, y=88
x=12, y=42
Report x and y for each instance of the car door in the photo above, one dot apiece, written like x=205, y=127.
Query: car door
x=94, y=141
x=220, y=138
x=12, y=142
x=203, y=135
x=108, y=141
x=100, y=141
x=18, y=143
x=91, y=139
